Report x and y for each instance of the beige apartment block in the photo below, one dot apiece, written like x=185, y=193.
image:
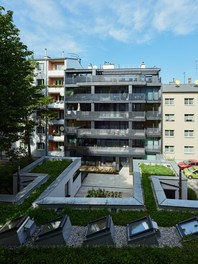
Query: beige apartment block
x=180, y=121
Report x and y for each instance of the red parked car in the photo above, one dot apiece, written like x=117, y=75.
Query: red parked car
x=187, y=163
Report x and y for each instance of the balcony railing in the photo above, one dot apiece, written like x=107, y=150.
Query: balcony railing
x=153, y=115
x=71, y=130
x=132, y=78
x=87, y=115
x=108, y=151
x=56, y=122
x=57, y=105
x=56, y=138
x=137, y=116
x=102, y=97
x=56, y=73
x=56, y=90
x=153, y=149
x=111, y=133
x=154, y=132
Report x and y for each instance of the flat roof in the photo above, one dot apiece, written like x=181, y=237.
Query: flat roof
x=182, y=88
x=148, y=71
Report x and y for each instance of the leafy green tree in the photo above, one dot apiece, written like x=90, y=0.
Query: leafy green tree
x=18, y=97
x=14, y=80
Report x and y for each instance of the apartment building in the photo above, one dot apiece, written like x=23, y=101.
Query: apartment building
x=112, y=114
x=49, y=137
x=180, y=119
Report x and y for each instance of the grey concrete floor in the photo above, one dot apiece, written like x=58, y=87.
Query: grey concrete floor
x=122, y=182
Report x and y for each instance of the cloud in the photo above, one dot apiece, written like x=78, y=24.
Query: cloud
x=178, y=16
x=77, y=25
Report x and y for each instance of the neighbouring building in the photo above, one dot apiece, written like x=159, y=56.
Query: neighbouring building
x=112, y=115
x=180, y=119
x=48, y=139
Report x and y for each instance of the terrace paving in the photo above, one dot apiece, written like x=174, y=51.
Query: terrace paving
x=122, y=182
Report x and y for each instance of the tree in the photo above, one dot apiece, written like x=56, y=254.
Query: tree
x=18, y=97
x=14, y=79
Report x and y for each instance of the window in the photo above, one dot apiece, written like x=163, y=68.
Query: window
x=188, y=133
x=40, y=82
x=169, y=133
x=59, y=67
x=40, y=66
x=40, y=130
x=189, y=118
x=169, y=149
x=40, y=145
x=188, y=101
x=188, y=149
x=169, y=101
x=169, y=117
x=59, y=82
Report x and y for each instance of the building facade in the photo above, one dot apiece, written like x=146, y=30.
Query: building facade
x=48, y=138
x=180, y=118
x=112, y=114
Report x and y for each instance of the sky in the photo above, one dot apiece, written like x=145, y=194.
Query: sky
x=160, y=33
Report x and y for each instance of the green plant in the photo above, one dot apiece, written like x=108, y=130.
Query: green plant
x=103, y=193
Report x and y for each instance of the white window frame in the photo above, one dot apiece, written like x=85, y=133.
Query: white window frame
x=169, y=149
x=169, y=117
x=40, y=130
x=169, y=101
x=42, y=144
x=188, y=149
x=188, y=101
x=189, y=117
x=189, y=133
x=169, y=133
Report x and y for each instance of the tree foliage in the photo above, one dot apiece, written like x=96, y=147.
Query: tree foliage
x=15, y=80
x=18, y=97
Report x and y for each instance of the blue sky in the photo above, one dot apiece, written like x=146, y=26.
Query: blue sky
x=161, y=33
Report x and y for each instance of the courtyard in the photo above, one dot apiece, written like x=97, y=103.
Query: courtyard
x=121, y=182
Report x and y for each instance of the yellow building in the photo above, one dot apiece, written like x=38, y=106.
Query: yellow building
x=180, y=121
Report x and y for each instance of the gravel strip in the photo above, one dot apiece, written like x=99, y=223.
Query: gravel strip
x=168, y=237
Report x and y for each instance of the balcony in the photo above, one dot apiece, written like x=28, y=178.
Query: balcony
x=138, y=80
x=153, y=98
x=56, y=90
x=137, y=98
x=108, y=151
x=71, y=130
x=106, y=97
x=56, y=153
x=137, y=116
x=56, y=73
x=111, y=133
x=153, y=132
x=153, y=115
x=99, y=116
x=57, y=105
x=56, y=122
x=153, y=149
x=56, y=138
